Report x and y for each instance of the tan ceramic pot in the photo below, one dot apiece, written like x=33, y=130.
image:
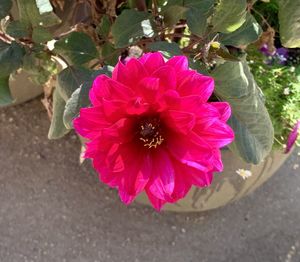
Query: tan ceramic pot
x=22, y=89
x=227, y=186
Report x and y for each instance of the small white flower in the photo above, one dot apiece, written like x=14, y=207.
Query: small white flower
x=286, y=91
x=292, y=69
x=50, y=44
x=244, y=173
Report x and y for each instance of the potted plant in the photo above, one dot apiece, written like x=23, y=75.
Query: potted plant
x=157, y=89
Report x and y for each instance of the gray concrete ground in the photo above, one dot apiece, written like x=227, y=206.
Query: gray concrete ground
x=52, y=209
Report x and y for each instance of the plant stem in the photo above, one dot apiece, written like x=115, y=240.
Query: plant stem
x=261, y=16
x=5, y=38
x=155, y=8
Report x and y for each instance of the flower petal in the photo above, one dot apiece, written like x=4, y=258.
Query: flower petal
x=99, y=90
x=152, y=61
x=179, y=121
x=201, y=179
x=136, y=170
x=188, y=153
x=223, y=108
x=134, y=72
x=137, y=106
x=118, y=91
x=182, y=183
x=157, y=203
x=114, y=109
x=179, y=63
x=129, y=74
x=91, y=122
x=218, y=135
x=292, y=137
x=167, y=77
x=161, y=184
x=149, y=88
x=120, y=132
x=197, y=84
x=120, y=73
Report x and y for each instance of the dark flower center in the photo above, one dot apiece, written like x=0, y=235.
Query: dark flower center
x=150, y=132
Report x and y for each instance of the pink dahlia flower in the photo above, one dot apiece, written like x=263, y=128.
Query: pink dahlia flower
x=150, y=128
x=292, y=137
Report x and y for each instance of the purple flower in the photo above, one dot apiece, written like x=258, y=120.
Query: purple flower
x=265, y=50
x=282, y=55
x=292, y=137
x=279, y=56
x=282, y=52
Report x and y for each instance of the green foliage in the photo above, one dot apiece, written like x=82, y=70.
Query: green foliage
x=71, y=78
x=72, y=108
x=281, y=87
x=37, y=13
x=104, y=27
x=248, y=33
x=41, y=35
x=110, y=54
x=204, y=30
x=17, y=29
x=57, y=127
x=267, y=10
x=40, y=66
x=5, y=6
x=131, y=26
x=250, y=119
x=173, y=13
x=5, y=96
x=197, y=15
x=289, y=13
x=80, y=97
x=169, y=49
x=77, y=48
x=229, y=15
x=10, y=57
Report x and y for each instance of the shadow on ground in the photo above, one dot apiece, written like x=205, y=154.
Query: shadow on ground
x=53, y=209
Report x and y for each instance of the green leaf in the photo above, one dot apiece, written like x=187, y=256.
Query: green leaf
x=17, y=29
x=198, y=65
x=10, y=57
x=80, y=97
x=202, y=5
x=103, y=28
x=224, y=53
x=248, y=33
x=131, y=26
x=46, y=12
x=250, y=120
x=41, y=35
x=289, y=13
x=168, y=49
x=109, y=53
x=5, y=95
x=57, y=127
x=172, y=14
x=229, y=15
x=5, y=6
x=77, y=48
x=39, y=66
x=71, y=109
x=195, y=12
x=37, y=13
x=196, y=21
x=71, y=78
